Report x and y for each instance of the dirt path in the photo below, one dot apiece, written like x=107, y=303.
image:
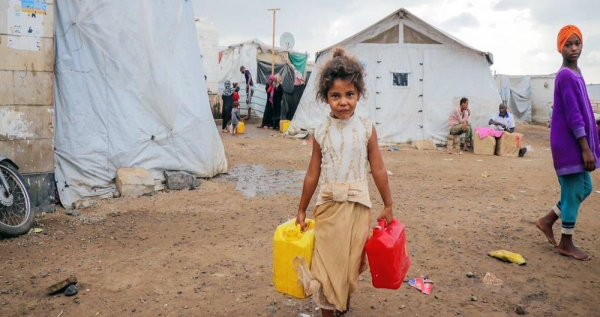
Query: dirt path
x=208, y=252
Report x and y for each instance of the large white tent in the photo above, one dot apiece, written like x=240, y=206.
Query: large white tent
x=129, y=92
x=415, y=75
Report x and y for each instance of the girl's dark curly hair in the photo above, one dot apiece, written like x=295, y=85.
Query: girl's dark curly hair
x=344, y=67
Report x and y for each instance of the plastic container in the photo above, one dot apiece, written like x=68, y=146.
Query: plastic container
x=241, y=127
x=288, y=242
x=388, y=255
x=284, y=125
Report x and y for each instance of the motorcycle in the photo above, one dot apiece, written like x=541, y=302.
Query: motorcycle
x=16, y=217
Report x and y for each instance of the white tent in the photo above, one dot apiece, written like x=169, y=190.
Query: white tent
x=415, y=75
x=256, y=57
x=129, y=92
x=208, y=40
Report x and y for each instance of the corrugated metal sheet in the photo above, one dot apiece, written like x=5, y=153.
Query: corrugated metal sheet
x=259, y=100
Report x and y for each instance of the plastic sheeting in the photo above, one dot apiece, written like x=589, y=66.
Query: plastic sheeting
x=129, y=92
x=299, y=62
x=594, y=92
x=516, y=93
x=285, y=71
x=290, y=102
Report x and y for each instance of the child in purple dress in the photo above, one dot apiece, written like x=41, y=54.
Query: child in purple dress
x=574, y=144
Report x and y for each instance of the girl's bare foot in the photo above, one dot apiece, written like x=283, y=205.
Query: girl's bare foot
x=567, y=248
x=546, y=227
x=575, y=253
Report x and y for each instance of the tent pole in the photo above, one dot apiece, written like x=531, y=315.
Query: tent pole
x=273, y=42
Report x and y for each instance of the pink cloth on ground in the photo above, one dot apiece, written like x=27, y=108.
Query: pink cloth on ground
x=486, y=131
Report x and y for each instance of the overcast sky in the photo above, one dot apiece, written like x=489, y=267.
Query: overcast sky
x=521, y=34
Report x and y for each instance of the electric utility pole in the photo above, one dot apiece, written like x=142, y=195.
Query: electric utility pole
x=273, y=42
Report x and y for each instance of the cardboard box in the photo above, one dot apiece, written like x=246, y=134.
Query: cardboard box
x=509, y=144
x=485, y=146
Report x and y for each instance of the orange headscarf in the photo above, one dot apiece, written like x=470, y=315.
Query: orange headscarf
x=565, y=33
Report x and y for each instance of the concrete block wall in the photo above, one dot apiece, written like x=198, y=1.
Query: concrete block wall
x=26, y=95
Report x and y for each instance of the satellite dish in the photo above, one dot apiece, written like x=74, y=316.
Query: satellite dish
x=287, y=41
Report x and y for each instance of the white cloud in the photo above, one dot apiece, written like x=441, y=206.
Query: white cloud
x=463, y=20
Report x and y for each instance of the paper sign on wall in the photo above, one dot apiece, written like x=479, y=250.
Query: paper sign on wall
x=26, y=21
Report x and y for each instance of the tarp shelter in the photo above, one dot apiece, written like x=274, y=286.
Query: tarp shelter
x=528, y=97
x=415, y=75
x=129, y=92
x=256, y=57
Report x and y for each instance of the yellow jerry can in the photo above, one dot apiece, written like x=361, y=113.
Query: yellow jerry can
x=240, y=128
x=288, y=242
x=284, y=125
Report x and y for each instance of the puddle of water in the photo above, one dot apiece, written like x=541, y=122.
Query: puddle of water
x=256, y=180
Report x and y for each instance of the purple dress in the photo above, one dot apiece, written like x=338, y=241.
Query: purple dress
x=572, y=118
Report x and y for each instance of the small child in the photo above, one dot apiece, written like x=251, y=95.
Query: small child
x=235, y=116
x=574, y=144
x=236, y=95
x=344, y=148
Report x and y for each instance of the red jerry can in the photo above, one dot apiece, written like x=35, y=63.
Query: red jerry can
x=388, y=255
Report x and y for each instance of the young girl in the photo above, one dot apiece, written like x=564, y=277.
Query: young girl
x=574, y=144
x=345, y=147
x=235, y=116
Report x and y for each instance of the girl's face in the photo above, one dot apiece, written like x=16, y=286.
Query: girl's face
x=342, y=98
x=572, y=48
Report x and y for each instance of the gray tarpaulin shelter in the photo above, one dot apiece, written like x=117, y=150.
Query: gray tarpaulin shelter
x=515, y=92
x=529, y=97
x=129, y=92
x=415, y=75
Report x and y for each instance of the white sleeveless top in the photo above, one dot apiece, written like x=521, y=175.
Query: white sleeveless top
x=344, y=160
x=344, y=149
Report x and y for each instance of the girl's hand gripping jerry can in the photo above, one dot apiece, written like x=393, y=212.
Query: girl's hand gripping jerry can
x=388, y=255
x=289, y=242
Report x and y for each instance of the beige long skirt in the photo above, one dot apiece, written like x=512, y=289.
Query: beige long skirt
x=341, y=231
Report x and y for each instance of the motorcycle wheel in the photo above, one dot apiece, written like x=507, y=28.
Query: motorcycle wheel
x=17, y=218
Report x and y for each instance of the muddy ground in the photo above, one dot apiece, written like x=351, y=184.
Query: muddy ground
x=208, y=252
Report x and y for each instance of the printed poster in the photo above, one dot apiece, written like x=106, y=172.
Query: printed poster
x=25, y=18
